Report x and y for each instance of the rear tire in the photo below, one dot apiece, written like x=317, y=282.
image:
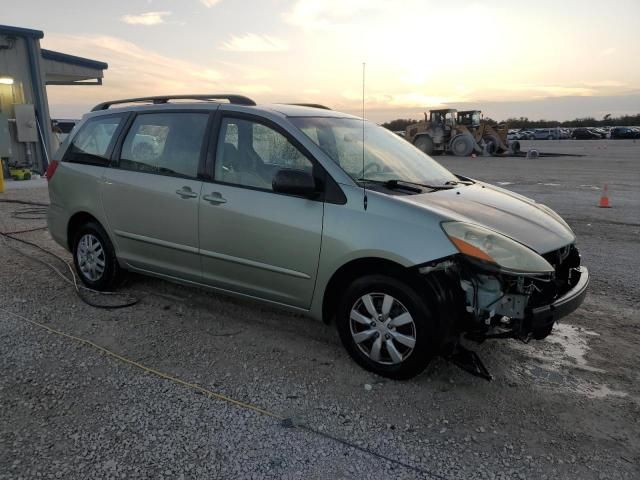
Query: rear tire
x=491, y=143
x=399, y=337
x=94, y=257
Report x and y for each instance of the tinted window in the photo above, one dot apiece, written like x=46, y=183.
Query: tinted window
x=93, y=141
x=165, y=143
x=250, y=154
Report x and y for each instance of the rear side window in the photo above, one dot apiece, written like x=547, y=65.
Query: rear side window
x=165, y=143
x=94, y=141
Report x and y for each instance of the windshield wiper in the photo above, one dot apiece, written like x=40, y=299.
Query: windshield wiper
x=457, y=182
x=407, y=185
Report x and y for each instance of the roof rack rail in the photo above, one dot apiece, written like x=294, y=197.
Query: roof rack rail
x=157, y=100
x=312, y=105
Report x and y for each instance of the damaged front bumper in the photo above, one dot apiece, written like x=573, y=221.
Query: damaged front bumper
x=499, y=304
x=543, y=317
x=502, y=304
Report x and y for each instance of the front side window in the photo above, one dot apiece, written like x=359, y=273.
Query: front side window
x=91, y=144
x=167, y=143
x=250, y=154
x=382, y=156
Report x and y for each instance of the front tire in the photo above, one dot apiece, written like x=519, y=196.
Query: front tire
x=388, y=327
x=542, y=332
x=462, y=145
x=424, y=143
x=94, y=257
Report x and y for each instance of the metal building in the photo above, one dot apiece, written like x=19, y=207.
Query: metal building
x=25, y=72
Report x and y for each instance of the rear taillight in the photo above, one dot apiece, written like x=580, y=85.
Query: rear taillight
x=51, y=169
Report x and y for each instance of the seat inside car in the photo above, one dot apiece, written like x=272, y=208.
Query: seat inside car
x=237, y=167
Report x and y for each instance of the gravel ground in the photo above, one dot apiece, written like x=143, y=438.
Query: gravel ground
x=567, y=407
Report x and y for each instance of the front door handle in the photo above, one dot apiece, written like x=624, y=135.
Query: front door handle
x=215, y=198
x=186, y=192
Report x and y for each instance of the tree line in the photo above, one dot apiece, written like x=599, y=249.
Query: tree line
x=523, y=122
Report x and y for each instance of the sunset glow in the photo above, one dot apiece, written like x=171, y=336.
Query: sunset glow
x=506, y=57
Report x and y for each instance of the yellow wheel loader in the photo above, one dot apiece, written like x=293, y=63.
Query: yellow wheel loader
x=458, y=133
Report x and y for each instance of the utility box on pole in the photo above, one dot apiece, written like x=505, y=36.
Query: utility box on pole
x=26, y=124
x=5, y=137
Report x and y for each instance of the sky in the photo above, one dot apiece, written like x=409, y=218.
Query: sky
x=536, y=58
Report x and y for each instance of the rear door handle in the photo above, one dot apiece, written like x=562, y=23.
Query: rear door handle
x=186, y=192
x=215, y=198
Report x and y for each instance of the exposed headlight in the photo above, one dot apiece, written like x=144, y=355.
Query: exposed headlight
x=492, y=247
x=553, y=214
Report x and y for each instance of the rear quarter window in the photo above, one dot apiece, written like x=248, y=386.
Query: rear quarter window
x=94, y=141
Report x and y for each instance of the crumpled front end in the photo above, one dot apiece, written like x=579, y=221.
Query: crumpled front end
x=501, y=304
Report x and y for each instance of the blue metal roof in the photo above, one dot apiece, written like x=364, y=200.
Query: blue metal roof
x=20, y=32
x=66, y=58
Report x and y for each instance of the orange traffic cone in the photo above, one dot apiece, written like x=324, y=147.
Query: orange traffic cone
x=604, y=198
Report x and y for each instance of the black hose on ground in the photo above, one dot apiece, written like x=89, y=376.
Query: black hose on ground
x=38, y=211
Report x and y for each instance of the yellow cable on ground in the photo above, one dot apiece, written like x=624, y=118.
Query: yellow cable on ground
x=286, y=422
x=153, y=371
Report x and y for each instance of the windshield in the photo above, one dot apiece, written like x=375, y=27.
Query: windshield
x=386, y=155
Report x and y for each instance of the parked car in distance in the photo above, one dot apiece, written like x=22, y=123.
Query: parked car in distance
x=527, y=135
x=583, y=133
x=513, y=136
x=600, y=131
x=239, y=198
x=547, y=133
x=625, y=132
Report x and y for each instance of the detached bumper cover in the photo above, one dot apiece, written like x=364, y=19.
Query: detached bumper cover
x=547, y=314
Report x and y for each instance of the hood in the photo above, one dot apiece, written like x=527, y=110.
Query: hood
x=501, y=210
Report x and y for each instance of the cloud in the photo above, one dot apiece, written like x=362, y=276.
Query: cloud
x=389, y=100
x=135, y=71
x=319, y=14
x=210, y=3
x=248, y=71
x=253, y=88
x=605, y=84
x=148, y=18
x=254, y=43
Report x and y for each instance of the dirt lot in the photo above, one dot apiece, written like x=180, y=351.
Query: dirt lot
x=566, y=407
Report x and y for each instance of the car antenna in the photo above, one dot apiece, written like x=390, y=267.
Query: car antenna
x=364, y=184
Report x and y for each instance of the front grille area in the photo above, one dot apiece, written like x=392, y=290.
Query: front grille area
x=564, y=261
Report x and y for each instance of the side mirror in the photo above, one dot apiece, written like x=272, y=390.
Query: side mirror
x=295, y=182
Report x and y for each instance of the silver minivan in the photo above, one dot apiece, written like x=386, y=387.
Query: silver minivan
x=547, y=134
x=319, y=212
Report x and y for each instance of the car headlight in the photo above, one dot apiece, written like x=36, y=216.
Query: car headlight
x=494, y=248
